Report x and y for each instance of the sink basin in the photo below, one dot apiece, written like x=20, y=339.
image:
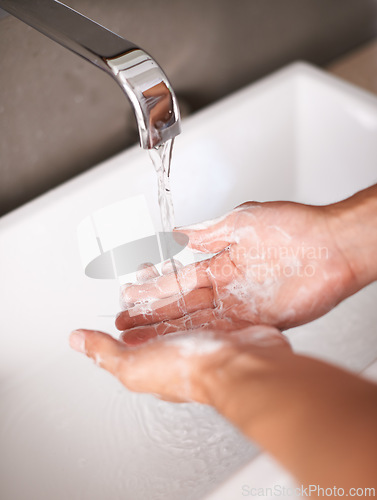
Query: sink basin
x=68, y=429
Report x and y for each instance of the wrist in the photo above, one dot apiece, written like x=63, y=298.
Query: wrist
x=243, y=386
x=353, y=224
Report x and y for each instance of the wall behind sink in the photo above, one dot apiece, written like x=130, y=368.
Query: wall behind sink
x=59, y=115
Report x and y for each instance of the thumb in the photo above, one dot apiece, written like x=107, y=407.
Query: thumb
x=107, y=352
x=210, y=236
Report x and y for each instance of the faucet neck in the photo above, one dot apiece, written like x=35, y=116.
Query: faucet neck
x=140, y=77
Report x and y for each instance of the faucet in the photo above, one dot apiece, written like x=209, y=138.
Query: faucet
x=140, y=77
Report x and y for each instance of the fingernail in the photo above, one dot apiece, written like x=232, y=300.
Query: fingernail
x=146, y=272
x=77, y=341
x=118, y=321
x=124, y=301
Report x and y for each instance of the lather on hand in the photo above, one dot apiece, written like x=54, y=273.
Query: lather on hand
x=278, y=263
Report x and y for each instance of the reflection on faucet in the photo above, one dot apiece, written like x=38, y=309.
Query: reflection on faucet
x=140, y=77
x=151, y=95
x=160, y=103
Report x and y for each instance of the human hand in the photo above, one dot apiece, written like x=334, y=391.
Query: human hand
x=179, y=367
x=276, y=263
x=285, y=402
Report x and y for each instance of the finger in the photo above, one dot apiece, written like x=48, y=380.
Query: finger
x=106, y=351
x=164, y=309
x=123, y=302
x=171, y=266
x=186, y=279
x=146, y=272
x=133, y=367
x=158, y=368
x=206, y=319
x=211, y=236
x=140, y=334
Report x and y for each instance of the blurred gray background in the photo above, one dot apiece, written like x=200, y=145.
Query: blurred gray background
x=60, y=116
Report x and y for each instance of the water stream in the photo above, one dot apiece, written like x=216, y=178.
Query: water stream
x=161, y=159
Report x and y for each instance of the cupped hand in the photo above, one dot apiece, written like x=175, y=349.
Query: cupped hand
x=276, y=263
x=176, y=367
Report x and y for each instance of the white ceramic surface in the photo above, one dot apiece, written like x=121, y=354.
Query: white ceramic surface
x=67, y=428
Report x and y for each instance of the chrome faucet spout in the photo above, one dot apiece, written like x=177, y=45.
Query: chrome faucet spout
x=138, y=74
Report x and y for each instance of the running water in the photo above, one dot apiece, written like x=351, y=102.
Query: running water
x=161, y=159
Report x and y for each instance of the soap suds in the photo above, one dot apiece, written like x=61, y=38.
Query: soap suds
x=200, y=343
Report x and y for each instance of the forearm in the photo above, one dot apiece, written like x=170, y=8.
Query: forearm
x=314, y=418
x=353, y=223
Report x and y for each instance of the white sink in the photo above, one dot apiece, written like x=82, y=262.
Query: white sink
x=68, y=429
